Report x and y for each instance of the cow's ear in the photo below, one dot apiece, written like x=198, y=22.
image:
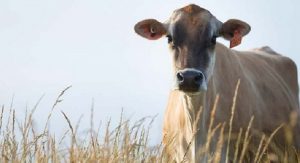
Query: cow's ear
x=150, y=29
x=233, y=30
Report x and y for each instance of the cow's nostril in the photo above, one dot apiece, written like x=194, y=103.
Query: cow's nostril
x=198, y=78
x=189, y=80
x=180, y=77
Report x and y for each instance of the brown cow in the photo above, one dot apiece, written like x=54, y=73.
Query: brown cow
x=204, y=69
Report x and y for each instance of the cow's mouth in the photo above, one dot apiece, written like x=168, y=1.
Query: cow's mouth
x=188, y=93
x=189, y=90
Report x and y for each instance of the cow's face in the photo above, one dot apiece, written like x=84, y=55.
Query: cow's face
x=191, y=32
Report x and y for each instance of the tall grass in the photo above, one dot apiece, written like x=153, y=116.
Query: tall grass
x=126, y=142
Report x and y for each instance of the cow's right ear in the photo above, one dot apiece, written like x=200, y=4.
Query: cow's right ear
x=150, y=29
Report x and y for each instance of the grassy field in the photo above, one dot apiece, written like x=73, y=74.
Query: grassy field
x=126, y=142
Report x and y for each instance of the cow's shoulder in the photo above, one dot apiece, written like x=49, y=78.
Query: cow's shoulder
x=278, y=58
x=271, y=55
x=277, y=64
x=267, y=50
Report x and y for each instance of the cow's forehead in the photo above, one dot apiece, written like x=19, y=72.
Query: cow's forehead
x=191, y=17
x=192, y=9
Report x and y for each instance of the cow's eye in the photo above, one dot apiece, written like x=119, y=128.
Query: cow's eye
x=214, y=40
x=170, y=39
x=171, y=42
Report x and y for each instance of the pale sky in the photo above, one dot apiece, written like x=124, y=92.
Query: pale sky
x=47, y=45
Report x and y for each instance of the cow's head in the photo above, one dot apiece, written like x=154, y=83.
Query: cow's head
x=191, y=32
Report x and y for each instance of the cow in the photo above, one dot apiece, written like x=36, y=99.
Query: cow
x=219, y=92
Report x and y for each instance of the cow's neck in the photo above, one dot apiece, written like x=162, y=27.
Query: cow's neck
x=194, y=106
x=196, y=114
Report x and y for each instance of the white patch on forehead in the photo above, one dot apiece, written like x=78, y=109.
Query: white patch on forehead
x=192, y=22
x=172, y=21
x=175, y=16
x=215, y=25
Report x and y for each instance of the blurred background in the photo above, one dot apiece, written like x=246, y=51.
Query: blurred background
x=48, y=45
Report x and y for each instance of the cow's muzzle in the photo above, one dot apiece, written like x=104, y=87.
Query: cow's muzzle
x=190, y=80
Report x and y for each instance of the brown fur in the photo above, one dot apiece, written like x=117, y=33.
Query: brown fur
x=268, y=88
x=268, y=91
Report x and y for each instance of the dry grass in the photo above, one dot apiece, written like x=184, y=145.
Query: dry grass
x=127, y=142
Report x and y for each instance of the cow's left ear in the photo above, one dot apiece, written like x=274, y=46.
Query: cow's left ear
x=150, y=29
x=233, y=30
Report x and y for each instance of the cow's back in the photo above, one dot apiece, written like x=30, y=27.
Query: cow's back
x=268, y=89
